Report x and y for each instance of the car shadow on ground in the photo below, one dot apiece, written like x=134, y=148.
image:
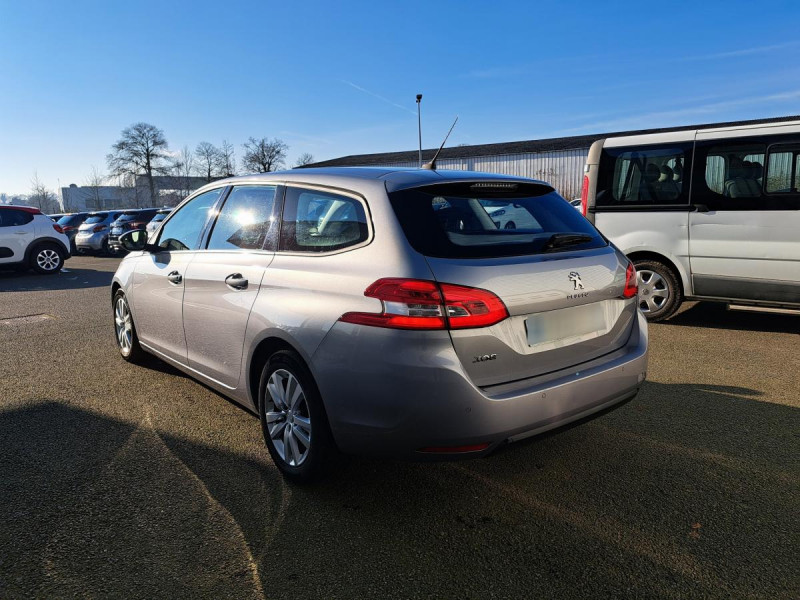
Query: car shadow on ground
x=689, y=490
x=716, y=315
x=67, y=279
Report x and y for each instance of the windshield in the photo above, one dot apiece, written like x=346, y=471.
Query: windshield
x=98, y=218
x=469, y=220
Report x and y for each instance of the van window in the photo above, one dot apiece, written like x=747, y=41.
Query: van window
x=316, y=221
x=644, y=176
x=783, y=170
x=731, y=175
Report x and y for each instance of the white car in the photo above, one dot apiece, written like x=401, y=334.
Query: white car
x=508, y=215
x=30, y=239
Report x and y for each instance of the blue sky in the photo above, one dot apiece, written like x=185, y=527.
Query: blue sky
x=340, y=78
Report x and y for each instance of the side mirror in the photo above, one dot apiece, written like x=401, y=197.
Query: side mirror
x=136, y=241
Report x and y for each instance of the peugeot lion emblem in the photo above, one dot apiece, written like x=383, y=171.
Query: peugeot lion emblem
x=575, y=278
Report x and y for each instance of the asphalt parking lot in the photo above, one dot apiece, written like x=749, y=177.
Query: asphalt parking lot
x=119, y=480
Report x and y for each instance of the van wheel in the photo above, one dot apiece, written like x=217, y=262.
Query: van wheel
x=47, y=259
x=660, y=293
x=293, y=419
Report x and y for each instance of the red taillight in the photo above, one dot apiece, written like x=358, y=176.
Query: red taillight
x=420, y=304
x=585, y=195
x=98, y=228
x=67, y=228
x=58, y=228
x=631, y=283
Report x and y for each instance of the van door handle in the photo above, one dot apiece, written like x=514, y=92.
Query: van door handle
x=175, y=277
x=236, y=281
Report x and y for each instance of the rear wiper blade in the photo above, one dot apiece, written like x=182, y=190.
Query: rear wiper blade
x=560, y=240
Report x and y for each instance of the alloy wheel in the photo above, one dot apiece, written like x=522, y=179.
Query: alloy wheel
x=48, y=259
x=653, y=291
x=288, y=419
x=123, y=325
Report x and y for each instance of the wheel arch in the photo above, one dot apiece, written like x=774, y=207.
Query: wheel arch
x=43, y=241
x=265, y=348
x=683, y=278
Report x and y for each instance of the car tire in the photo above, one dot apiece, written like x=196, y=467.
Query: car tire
x=46, y=259
x=294, y=424
x=660, y=293
x=125, y=330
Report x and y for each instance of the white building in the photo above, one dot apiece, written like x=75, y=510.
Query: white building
x=169, y=189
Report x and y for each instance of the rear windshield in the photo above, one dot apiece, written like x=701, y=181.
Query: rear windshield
x=485, y=220
x=127, y=217
x=71, y=220
x=99, y=218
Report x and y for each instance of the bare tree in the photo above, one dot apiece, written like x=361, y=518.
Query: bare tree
x=227, y=160
x=41, y=197
x=142, y=150
x=184, y=168
x=94, y=183
x=208, y=159
x=304, y=159
x=264, y=155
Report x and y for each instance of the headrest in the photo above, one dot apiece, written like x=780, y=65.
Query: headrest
x=651, y=173
x=666, y=173
x=677, y=172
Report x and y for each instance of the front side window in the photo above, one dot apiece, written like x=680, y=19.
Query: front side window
x=315, y=221
x=184, y=228
x=644, y=175
x=245, y=219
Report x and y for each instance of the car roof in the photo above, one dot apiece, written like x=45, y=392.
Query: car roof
x=394, y=178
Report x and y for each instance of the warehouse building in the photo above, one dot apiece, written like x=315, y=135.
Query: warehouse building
x=559, y=161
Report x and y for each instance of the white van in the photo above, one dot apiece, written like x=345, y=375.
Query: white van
x=705, y=214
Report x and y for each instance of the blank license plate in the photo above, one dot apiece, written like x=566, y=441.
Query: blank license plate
x=565, y=323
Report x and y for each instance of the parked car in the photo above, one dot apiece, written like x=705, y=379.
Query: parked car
x=704, y=214
x=156, y=220
x=30, y=239
x=128, y=221
x=510, y=216
x=383, y=312
x=69, y=224
x=93, y=233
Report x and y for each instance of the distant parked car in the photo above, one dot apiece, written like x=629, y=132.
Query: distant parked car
x=30, y=239
x=511, y=216
x=129, y=220
x=156, y=220
x=70, y=224
x=93, y=232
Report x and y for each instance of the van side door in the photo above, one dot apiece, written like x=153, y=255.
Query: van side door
x=743, y=237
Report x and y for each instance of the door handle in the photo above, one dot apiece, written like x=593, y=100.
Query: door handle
x=20, y=232
x=175, y=277
x=236, y=281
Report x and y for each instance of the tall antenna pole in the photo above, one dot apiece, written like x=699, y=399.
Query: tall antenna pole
x=419, y=125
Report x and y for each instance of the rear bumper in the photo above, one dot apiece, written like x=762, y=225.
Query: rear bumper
x=399, y=396
x=91, y=242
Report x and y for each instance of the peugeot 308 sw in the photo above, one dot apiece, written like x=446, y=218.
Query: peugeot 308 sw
x=384, y=311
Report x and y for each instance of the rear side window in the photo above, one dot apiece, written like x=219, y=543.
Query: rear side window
x=245, y=219
x=783, y=170
x=14, y=218
x=317, y=221
x=746, y=174
x=644, y=176
x=477, y=220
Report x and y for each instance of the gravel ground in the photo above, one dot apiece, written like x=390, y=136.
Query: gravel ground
x=119, y=480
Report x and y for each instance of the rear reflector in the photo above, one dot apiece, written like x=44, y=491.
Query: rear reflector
x=455, y=449
x=585, y=195
x=631, y=282
x=424, y=305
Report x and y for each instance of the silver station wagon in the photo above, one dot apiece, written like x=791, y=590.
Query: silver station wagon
x=385, y=311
